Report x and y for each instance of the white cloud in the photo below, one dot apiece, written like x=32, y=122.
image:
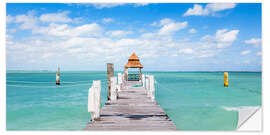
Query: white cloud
x=226, y=36
x=107, y=20
x=209, y=9
x=106, y=5
x=56, y=17
x=64, y=30
x=223, y=38
x=148, y=35
x=110, y=5
x=259, y=53
x=87, y=42
x=140, y=4
x=154, y=24
x=197, y=10
x=28, y=21
x=246, y=52
x=192, y=30
x=214, y=7
x=165, y=21
x=186, y=51
x=206, y=55
x=170, y=26
x=9, y=19
x=13, y=30
x=254, y=41
x=118, y=33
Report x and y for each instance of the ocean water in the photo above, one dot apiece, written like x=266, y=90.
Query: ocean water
x=193, y=100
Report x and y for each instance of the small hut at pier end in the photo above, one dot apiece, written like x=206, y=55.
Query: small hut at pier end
x=136, y=68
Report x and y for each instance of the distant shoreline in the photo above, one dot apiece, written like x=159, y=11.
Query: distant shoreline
x=76, y=71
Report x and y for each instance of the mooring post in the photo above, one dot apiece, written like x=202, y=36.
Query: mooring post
x=120, y=81
x=110, y=73
x=113, y=88
x=94, y=100
x=152, y=87
x=58, y=76
x=143, y=80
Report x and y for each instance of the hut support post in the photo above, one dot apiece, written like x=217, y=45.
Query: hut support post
x=94, y=100
x=152, y=87
x=143, y=80
x=140, y=74
x=110, y=73
x=113, y=95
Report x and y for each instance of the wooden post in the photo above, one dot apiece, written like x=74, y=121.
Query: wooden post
x=113, y=95
x=94, y=100
x=143, y=80
x=120, y=81
x=152, y=87
x=110, y=73
x=58, y=76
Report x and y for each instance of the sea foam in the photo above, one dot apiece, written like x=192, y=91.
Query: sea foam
x=238, y=108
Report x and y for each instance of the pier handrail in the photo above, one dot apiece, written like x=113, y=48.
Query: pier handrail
x=94, y=99
x=113, y=88
x=149, y=86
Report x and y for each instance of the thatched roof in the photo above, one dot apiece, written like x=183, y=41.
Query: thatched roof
x=133, y=62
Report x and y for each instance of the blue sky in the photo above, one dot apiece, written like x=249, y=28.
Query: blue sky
x=166, y=37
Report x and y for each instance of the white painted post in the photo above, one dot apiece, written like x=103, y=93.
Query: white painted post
x=94, y=100
x=113, y=88
x=143, y=80
x=120, y=81
x=152, y=87
x=147, y=85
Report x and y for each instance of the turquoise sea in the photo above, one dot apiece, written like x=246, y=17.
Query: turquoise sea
x=193, y=100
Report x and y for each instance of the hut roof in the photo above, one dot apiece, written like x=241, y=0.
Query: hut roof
x=133, y=62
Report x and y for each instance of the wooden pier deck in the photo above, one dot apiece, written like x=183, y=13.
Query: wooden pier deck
x=132, y=110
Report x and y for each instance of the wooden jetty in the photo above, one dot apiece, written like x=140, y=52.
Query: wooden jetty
x=131, y=105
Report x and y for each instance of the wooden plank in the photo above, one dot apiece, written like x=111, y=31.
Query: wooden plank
x=133, y=110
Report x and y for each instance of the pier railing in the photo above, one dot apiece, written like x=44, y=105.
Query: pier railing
x=116, y=85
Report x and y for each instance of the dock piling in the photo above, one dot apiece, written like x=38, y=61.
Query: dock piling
x=110, y=73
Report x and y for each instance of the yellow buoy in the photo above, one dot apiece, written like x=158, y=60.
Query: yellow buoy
x=226, y=79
